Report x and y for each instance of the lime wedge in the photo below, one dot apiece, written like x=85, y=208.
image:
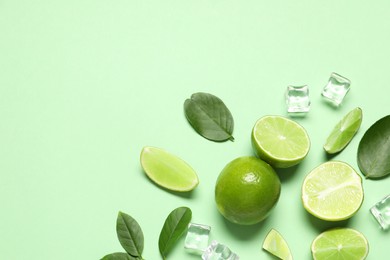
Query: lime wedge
x=332, y=191
x=340, y=244
x=280, y=141
x=344, y=131
x=167, y=170
x=276, y=245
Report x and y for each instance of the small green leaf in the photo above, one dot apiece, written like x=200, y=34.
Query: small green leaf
x=119, y=256
x=374, y=150
x=174, y=227
x=209, y=116
x=130, y=235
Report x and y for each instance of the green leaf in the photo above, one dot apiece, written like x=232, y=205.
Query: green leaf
x=174, y=227
x=119, y=256
x=130, y=235
x=374, y=150
x=209, y=116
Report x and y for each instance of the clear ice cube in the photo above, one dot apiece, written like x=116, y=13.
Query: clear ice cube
x=381, y=212
x=217, y=251
x=197, y=238
x=297, y=99
x=336, y=89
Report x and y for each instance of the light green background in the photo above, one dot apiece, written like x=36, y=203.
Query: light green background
x=84, y=85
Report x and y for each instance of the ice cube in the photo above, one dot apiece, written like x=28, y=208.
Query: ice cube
x=197, y=238
x=217, y=251
x=336, y=89
x=297, y=99
x=381, y=212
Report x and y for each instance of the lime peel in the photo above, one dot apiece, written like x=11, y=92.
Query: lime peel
x=246, y=190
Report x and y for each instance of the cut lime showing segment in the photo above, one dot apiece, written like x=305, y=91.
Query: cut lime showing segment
x=167, y=170
x=275, y=244
x=344, y=131
x=340, y=244
x=280, y=141
x=332, y=191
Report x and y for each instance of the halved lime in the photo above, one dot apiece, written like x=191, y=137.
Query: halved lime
x=276, y=245
x=280, y=141
x=340, y=244
x=168, y=170
x=332, y=191
x=344, y=131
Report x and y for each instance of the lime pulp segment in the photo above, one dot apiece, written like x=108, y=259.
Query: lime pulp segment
x=280, y=141
x=340, y=244
x=275, y=244
x=332, y=191
x=344, y=131
x=168, y=170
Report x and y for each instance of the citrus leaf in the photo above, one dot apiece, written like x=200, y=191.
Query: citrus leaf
x=130, y=235
x=119, y=256
x=174, y=227
x=209, y=116
x=374, y=150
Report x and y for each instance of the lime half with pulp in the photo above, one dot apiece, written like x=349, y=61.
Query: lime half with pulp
x=344, y=131
x=168, y=170
x=340, y=244
x=280, y=141
x=332, y=191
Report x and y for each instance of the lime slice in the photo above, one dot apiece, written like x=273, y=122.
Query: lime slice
x=167, y=170
x=280, y=141
x=340, y=244
x=276, y=245
x=344, y=131
x=332, y=191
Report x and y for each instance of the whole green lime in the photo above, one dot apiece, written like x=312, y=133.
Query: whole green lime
x=247, y=190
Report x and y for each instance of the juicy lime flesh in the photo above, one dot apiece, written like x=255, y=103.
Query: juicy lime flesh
x=276, y=245
x=333, y=191
x=168, y=170
x=344, y=131
x=246, y=190
x=340, y=243
x=280, y=141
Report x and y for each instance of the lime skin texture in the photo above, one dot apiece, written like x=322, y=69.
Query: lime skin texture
x=246, y=190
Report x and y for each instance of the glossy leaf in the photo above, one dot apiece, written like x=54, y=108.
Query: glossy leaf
x=119, y=256
x=374, y=150
x=174, y=227
x=209, y=116
x=130, y=235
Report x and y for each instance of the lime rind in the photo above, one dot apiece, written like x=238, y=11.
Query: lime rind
x=168, y=170
x=280, y=141
x=344, y=131
x=340, y=243
x=332, y=191
x=275, y=244
x=247, y=190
